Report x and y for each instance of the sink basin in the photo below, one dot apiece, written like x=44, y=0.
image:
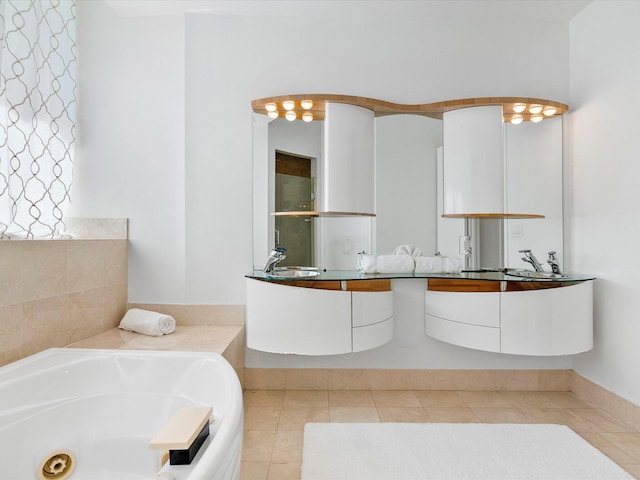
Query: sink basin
x=294, y=272
x=538, y=275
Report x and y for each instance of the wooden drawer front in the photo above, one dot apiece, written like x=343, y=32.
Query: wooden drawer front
x=465, y=335
x=382, y=285
x=472, y=308
x=462, y=285
x=371, y=307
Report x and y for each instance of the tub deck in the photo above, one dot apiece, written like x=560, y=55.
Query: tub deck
x=227, y=340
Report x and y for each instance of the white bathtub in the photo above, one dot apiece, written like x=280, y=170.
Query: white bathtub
x=105, y=405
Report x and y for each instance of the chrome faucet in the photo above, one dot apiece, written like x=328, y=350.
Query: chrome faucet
x=529, y=257
x=553, y=261
x=275, y=257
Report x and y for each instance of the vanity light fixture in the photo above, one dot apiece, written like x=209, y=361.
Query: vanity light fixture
x=271, y=107
x=535, y=109
x=272, y=114
x=307, y=116
x=306, y=104
x=536, y=118
x=519, y=107
x=288, y=104
x=548, y=111
x=290, y=115
x=516, y=119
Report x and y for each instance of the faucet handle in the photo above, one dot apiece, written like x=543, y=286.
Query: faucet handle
x=552, y=253
x=525, y=251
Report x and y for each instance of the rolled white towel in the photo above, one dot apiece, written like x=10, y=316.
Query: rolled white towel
x=385, y=263
x=411, y=250
x=147, y=322
x=438, y=265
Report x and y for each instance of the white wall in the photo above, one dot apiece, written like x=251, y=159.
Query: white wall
x=129, y=159
x=198, y=234
x=603, y=221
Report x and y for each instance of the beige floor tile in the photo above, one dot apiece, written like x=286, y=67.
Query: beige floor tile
x=559, y=416
x=354, y=415
x=608, y=448
x=484, y=399
x=287, y=447
x=306, y=398
x=530, y=399
x=395, y=398
x=567, y=400
x=258, y=445
x=294, y=418
x=403, y=414
x=261, y=418
x=351, y=398
x=598, y=421
x=633, y=470
x=285, y=471
x=500, y=415
x=445, y=399
x=629, y=442
x=264, y=398
x=254, y=470
x=451, y=415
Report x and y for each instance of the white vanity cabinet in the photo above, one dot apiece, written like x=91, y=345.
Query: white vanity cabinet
x=535, y=318
x=317, y=318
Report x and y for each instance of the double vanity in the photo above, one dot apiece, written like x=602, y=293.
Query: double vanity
x=478, y=179
x=346, y=311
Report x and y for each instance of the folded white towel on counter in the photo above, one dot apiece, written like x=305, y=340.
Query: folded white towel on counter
x=437, y=265
x=386, y=263
x=407, y=250
x=147, y=322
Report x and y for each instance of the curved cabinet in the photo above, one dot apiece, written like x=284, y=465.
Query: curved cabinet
x=321, y=320
x=542, y=321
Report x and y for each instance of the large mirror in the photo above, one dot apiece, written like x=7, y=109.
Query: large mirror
x=287, y=168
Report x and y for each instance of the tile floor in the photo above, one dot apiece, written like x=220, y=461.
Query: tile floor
x=274, y=420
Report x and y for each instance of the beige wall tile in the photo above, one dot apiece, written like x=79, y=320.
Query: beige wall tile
x=348, y=379
x=115, y=301
x=197, y=314
x=44, y=269
x=10, y=333
x=389, y=379
x=517, y=380
x=11, y=268
x=116, y=259
x=307, y=379
x=46, y=323
x=554, y=380
x=86, y=264
x=431, y=379
x=475, y=380
x=86, y=312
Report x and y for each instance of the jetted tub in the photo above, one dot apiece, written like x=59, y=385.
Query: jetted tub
x=103, y=406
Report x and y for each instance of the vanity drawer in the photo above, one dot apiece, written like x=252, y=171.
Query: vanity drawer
x=466, y=307
x=371, y=336
x=371, y=307
x=463, y=334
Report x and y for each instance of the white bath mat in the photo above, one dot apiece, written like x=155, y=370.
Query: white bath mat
x=443, y=451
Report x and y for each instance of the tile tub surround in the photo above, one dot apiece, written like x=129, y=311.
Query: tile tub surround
x=197, y=314
x=56, y=292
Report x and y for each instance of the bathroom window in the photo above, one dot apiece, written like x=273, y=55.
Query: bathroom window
x=37, y=115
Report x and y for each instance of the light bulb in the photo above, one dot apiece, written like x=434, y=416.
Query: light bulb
x=270, y=107
x=548, y=111
x=535, y=109
x=536, y=118
x=519, y=107
x=273, y=114
x=306, y=104
x=288, y=104
x=307, y=116
x=516, y=119
x=290, y=115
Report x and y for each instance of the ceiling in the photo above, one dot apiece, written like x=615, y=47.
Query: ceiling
x=550, y=10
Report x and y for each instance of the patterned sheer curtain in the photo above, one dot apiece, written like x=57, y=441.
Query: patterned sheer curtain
x=37, y=115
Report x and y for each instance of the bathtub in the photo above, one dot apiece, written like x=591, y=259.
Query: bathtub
x=103, y=406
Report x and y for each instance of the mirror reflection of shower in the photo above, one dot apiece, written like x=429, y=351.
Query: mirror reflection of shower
x=295, y=192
